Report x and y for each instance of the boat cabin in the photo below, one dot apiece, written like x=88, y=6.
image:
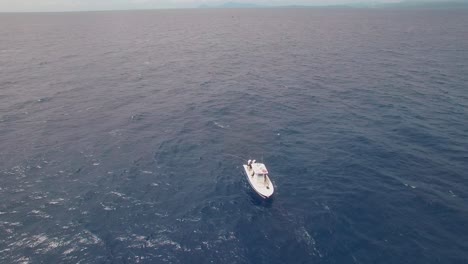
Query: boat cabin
x=259, y=169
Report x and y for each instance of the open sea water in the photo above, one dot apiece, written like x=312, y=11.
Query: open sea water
x=123, y=134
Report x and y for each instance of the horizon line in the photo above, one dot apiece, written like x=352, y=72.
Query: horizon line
x=202, y=7
x=177, y=8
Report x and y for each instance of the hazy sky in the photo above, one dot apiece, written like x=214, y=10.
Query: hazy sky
x=73, y=5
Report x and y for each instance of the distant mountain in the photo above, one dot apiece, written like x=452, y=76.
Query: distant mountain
x=431, y=4
x=232, y=5
x=428, y=4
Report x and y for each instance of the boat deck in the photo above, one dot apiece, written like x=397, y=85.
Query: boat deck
x=261, y=184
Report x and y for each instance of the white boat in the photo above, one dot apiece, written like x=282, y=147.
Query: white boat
x=257, y=175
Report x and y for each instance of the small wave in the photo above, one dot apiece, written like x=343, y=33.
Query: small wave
x=23, y=260
x=10, y=224
x=31, y=242
x=162, y=215
x=57, y=201
x=69, y=251
x=220, y=125
x=227, y=237
x=88, y=238
x=118, y=194
x=107, y=207
x=116, y=132
x=189, y=219
x=43, y=100
x=38, y=196
x=49, y=244
x=137, y=241
x=40, y=214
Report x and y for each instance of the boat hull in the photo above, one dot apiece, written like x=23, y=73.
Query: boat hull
x=263, y=187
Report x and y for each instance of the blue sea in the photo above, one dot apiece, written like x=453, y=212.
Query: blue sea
x=123, y=134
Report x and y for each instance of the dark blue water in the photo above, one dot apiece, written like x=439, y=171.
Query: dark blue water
x=121, y=132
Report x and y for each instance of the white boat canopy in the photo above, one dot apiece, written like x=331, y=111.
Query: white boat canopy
x=259, y=168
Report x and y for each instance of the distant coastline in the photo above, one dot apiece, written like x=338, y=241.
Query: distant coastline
x=404, y=4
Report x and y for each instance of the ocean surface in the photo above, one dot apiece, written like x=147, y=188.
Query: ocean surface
x=123, y=134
